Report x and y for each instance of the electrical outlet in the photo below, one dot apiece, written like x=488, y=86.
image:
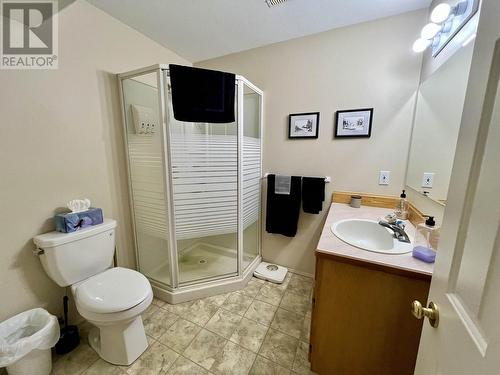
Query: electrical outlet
x=428, y=179
x=384, y=177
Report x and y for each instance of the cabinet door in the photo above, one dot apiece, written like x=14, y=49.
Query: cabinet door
x=361, y=321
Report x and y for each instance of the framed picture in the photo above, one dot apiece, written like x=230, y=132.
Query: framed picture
x=353, y=123
x=303, y=125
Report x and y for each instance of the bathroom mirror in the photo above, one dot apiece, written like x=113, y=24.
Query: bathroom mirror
x=440, y=101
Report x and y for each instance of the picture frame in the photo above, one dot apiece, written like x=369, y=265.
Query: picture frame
x=353, y=123
x=303, y=125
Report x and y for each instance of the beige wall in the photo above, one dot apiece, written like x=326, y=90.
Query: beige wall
x=61, y=138
x=365, y=65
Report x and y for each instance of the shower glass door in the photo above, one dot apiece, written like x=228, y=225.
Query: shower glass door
x=145, y=148
x=204, y=175
x=251, y=173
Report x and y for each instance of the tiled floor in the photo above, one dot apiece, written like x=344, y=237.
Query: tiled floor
x=261, y=329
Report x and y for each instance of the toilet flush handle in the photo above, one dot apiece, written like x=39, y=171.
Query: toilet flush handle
x=38, y=251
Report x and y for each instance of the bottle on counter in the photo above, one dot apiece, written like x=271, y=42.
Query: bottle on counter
x=402, y=207
x=426, y=240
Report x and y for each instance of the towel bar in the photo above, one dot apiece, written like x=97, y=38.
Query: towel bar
x=328, y=179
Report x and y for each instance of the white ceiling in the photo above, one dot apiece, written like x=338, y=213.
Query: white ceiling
x=202, y=29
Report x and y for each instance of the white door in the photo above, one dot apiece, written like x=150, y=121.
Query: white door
x=466, y=281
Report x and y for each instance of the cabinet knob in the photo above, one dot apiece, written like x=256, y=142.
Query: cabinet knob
x=431, y=312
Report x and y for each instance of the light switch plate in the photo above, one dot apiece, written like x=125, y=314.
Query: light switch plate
x=428, y=179
x=384, y=178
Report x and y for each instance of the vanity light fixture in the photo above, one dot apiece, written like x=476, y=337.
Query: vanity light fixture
x=442, y=18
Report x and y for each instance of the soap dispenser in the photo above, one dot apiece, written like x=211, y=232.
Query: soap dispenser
x=426, y=240
x=402, y=207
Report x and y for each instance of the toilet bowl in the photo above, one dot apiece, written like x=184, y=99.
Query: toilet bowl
x=112, y=299
x=113, y=302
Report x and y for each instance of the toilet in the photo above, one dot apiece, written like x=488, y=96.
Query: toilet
x=111, y=298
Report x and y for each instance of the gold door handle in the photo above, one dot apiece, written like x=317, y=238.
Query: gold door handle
x=431, y=312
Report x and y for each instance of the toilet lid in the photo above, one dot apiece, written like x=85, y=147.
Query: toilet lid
x=114, y=290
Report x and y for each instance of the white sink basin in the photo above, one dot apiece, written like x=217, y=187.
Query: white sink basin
x=369, y=235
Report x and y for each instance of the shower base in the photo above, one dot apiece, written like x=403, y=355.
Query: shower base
x=202, y=261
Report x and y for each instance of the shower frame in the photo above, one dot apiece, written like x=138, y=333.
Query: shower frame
x=176, y=293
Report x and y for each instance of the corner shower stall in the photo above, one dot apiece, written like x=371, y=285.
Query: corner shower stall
x=195, y=189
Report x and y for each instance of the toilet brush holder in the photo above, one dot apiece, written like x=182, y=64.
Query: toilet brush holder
x=70, y=338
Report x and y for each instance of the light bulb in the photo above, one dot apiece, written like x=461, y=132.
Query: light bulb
x=441, y=13
x=420, y=45
x=430, y=30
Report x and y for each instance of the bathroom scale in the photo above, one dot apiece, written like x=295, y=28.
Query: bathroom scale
x=270, y=272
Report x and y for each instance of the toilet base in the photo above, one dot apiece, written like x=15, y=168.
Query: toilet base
x=119, y=344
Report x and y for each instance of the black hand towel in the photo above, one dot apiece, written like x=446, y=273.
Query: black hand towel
x=313, y=194
x=202, y=95
x=283, y=210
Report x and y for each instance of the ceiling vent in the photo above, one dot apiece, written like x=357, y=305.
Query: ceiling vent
x=273, y=3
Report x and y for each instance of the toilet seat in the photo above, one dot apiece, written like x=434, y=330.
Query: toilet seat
x=112, y=291
x=117, y=317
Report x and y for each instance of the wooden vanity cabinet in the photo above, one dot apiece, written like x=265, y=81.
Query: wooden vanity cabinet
x=361, y=319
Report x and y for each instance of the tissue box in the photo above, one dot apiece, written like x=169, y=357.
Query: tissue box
x=73, y=221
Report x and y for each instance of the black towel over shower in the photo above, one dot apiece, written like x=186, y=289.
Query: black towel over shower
x=313, y=194
x=202, y=95
x=283, y=210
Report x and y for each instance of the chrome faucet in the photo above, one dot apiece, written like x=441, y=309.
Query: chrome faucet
x=397, y=229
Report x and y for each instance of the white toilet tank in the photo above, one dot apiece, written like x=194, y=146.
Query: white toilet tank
x=71, y=257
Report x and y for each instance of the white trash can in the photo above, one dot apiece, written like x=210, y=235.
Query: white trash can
x=25, y=342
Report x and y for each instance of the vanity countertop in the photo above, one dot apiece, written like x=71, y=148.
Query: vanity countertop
x=331, y=245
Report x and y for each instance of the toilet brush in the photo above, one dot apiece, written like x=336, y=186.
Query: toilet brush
x=70, y=338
